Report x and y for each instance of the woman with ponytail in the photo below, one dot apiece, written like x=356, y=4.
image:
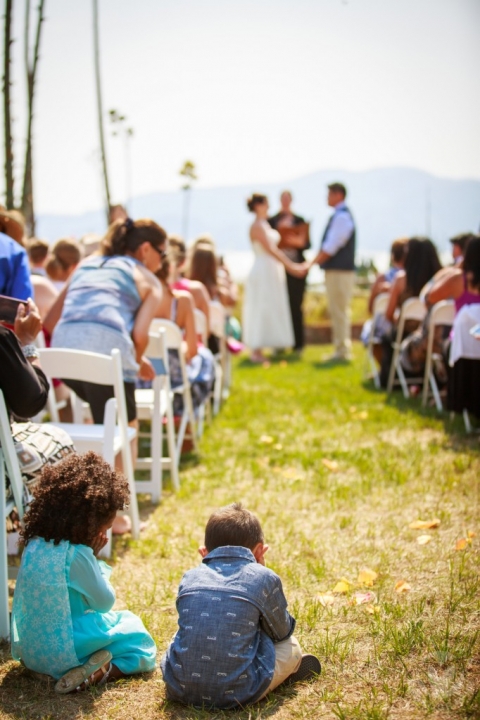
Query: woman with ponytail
x=108, y=303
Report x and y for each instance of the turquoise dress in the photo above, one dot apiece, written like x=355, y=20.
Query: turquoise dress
x=62, y=613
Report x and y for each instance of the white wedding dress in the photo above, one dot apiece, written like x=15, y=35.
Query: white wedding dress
x=267, y=322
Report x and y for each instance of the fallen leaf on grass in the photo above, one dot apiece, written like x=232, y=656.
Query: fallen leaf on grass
x=326, y=599
x=283, y=363
x=330, y=464
x=267, y=439
x=291, y=474
x=342, y=586
x=353, y=409
x=402, y=586
x=363, y=598
x=278, y=446
x=424, y=524
x=363, y=415
x=423, y=539
x=471, y=534
x=461, y=544
x=367, y=577
x=372, y=609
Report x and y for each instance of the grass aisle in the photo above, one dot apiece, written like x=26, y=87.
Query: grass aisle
x=336, y=475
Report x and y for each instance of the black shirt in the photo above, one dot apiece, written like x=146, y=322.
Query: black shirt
x=24, y=386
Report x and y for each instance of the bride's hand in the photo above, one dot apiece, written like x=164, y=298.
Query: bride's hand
x=299, y=270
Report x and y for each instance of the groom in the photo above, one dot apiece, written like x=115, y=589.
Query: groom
x=337, y=257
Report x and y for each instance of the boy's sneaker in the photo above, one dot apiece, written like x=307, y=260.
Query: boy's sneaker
x=309, y=669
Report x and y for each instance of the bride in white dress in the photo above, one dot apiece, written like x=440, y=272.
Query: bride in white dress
x=267, y=321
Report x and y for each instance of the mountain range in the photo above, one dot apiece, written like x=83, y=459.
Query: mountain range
x=387, y=203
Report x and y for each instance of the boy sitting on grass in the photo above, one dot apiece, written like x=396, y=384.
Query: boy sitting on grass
x=235, y=639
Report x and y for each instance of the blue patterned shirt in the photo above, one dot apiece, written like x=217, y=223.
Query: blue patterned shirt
x=231, y=611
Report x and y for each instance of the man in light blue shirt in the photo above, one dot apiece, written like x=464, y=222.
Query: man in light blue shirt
x=337, y=258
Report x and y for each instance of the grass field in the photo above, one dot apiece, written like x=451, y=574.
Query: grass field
x=337, y=473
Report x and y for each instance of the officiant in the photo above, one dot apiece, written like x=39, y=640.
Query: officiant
x=294, y=233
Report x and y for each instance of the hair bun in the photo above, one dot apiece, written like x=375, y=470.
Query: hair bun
x=254, y=200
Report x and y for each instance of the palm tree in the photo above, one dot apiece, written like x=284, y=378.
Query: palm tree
x=31, y=70
x=120, y=129
x=6, y=105
x=100, y=105
x=187, y=171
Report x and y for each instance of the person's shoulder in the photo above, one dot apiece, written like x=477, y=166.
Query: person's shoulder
x=183, y=296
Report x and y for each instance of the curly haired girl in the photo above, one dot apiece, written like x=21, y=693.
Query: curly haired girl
x=62, y=622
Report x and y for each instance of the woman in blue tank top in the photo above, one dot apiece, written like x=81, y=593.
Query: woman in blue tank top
x=109, y=303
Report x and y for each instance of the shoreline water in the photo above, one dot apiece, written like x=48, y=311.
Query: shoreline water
x=240, y=262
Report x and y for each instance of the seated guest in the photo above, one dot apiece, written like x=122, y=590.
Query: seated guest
x=203, y=267
x=379, y=325
x=14, y=268
x=37, y=251
x=178, y=255
x=421, y=264
x=178, y=306
x=62, y=618
x=109, y=303
x=459, y=244
x=384, y=281
x=234, y=642
x=63, y=260
x=36, y=445
x=463, y=369
x=448, y=284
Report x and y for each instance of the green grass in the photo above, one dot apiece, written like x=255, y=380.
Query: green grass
x=410, y=655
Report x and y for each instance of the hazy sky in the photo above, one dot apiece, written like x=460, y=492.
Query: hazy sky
x=252, y=91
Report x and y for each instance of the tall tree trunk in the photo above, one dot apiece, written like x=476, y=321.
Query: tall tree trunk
x=6, y=106
x=100, y=105
x=31, y=70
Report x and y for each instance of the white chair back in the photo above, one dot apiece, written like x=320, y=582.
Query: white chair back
x=201, y=325
x=154, y=404
x=412, y=309
x=222, y=366
x=442, y=313
x=380, y=304
x=174, y=341
x=107, y=439
x=217, y=318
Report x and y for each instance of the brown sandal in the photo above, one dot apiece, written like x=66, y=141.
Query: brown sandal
x=85, y=674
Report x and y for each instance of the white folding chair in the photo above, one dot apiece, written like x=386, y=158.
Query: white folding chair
x=8, y=462
x=114, y=436
x=380, y=304
x=222, y=360
x=442, y=313
x=412, y=309
x=174, y=341
x=201, y=325
x=154, y=405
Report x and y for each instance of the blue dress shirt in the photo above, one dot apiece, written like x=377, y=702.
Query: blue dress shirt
x=14, y=270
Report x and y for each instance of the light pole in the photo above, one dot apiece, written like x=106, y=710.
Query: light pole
x=188, y=171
